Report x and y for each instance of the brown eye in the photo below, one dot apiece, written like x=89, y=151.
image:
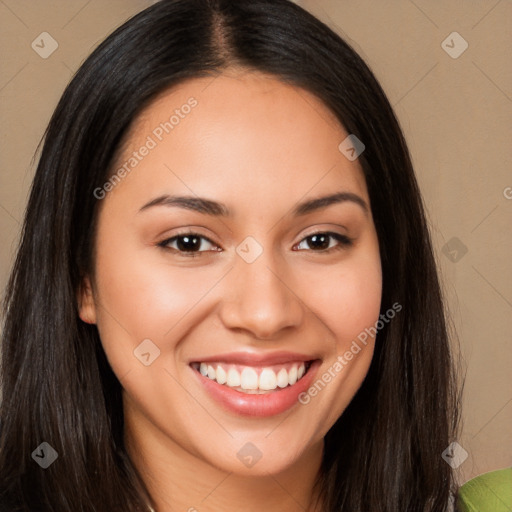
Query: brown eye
x=188, y=243
x=320, y=242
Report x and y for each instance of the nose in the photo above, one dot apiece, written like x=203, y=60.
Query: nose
x=260, y=300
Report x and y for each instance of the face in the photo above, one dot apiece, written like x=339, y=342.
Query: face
x=236, y=261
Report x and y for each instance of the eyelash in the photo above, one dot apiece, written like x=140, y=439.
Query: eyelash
x=344, y=242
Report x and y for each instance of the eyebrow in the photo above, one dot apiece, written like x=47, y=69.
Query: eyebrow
x=198, y=204
x=214, y=208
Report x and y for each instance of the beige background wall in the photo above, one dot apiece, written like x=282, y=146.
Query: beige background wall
x=456, y=114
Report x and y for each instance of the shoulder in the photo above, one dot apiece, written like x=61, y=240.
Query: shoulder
x=490, y=492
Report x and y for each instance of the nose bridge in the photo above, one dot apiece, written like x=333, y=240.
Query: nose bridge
x=259, y=300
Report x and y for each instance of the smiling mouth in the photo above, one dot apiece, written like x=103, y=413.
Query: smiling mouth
x=252, y=379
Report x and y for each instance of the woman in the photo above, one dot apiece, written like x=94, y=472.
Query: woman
x=225, y=294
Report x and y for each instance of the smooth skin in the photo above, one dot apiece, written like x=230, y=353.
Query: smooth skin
x=260, y=147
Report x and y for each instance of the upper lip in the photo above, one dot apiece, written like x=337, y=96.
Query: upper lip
x=255, y=359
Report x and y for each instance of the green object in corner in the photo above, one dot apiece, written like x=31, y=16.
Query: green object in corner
x=490, y=492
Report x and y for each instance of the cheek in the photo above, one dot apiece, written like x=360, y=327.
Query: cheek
x=139, y=299
x=346, y=298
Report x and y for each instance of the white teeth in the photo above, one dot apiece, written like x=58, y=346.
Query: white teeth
x=268, y=379
x=233, y=378
x=221, y=375
x=282, y=378
x=248, y=380
x=292, y=375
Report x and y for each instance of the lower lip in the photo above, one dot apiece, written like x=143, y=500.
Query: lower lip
x=261, y=405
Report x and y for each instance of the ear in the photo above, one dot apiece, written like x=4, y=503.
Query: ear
x=86, y=304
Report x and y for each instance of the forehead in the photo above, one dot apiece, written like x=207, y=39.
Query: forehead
x=241, y=133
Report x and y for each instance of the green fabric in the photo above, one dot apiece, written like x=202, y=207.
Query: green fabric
x=490, y=492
